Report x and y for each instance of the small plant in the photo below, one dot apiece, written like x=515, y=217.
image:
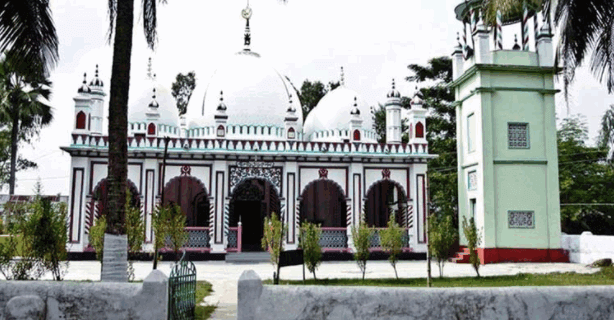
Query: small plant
x=473, y=241
x=97, y=236
x=49, y=236
x=442, y=236
x=175, y=229
x=362, y=242
x=272, y=241
x=309, y=241
x=135, y=231
x=158, y=224
x=391, y=240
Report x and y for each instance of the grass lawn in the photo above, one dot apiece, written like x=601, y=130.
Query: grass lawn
x=203, y=289
x=604, y=277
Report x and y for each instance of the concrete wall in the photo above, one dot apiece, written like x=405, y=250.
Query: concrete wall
x=586, y=248
x=86, y=300
x=327, y=302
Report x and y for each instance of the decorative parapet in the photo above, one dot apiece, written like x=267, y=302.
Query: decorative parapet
x=100, y=143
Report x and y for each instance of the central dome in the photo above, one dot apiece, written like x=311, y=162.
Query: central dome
x=255, y=94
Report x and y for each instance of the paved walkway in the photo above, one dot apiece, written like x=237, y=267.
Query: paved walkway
x=224, y=276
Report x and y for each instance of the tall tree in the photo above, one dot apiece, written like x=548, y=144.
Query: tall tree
x=441, y=133
x=27, y=29
x=5, y=159
x=312, y=92
x=121, y=19
x=606, y=133
x=585, y=26
x=23, y=108
x=182, y=90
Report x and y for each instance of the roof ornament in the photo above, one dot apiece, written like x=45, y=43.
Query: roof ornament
x=246, y=13
x=149, y=74
x=417, y=101
x=342, y=77
x=153, y=104
x=355, y=111
x=394, y=93
x=291, y=108
x=84, y=88
x=221, y=106
x=516, y=45
x=96, y=82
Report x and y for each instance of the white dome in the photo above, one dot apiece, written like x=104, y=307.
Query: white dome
x=333, y=113
x=141, y=97
x=254, y=94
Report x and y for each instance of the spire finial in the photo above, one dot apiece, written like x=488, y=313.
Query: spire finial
x=516, y=45
x=246, y=13
x=393, y=84
x=96, y=70
x=342, y=77
x=84, y=78
x=221, y=96
x=153, y=103
x=221, y=106
x=149, y=75
x=355, y=104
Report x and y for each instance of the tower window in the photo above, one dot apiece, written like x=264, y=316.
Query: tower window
x=518, y=135
x=81, y=120
x=419, y=130
x=357, y=135
x=220, y=131
x=151, y=129
x=291, y=133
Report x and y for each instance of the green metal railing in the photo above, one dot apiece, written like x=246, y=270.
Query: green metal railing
x=182, y=290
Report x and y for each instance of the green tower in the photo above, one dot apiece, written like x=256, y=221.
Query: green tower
x=506, y=131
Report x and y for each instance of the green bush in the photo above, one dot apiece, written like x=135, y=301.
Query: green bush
x=442, y=236
x=49, y=236
x=272, y=241
x=473, y=241
x=175, y=229
x=391, y=240
x=97, y=236
x=135, y=231
x=158, y=224
x=362, y=242
x=309, y=241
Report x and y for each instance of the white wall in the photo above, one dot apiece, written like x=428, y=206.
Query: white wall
x=586, y=248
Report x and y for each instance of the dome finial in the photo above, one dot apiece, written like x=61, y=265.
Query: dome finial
x=96, y=82
x=84, y=77
x=246, y=13
x=153, y=104
x=393, y=93
x=291, y=108
x=342, y=77
x=516, y=45
x=355, y=111
x=84, y=88
x=221, y=106
x=149, y=75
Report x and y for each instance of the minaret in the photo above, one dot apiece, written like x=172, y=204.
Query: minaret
x=291, y=121
x=355, y=123
x=221, y=118
x=393, y=116
x=83, y=109
x=153, y=116
x=417, y=123
x=98, y=95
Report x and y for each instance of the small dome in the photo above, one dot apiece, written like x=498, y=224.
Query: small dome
x=84, y=88
x=141, y=99
x=393, y=93
x=417, y=100
x=221, y=106
x=96, y=82
x=254, y=94
x=331, y=113
x=355, y=111
x=154, y=104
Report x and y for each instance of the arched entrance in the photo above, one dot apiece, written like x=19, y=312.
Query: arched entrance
x=323, y=202
x=251, y=201
x=99, y=198
x=190, y=194
x=382, y=197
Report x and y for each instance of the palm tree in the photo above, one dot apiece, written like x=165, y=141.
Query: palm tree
x=26, y=28
x=22, y=108
x=585, y=26
x=121, y=18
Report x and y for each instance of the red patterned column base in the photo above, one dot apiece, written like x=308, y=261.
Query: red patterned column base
x=496, y=255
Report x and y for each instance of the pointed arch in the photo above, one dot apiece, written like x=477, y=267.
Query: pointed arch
x=80, y=120
x=419, y=130
x=322, y=201
x=151, y=129
x=356, y=135
x=99, y=197
x=380, y=197
x=191, y=195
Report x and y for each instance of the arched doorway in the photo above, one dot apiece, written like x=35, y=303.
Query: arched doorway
x=323, y=202
x=99, y=198
x=251, y=201
x=190, y=194
x=383, y=196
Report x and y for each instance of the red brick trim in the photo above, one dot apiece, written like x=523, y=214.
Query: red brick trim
x=494, y=255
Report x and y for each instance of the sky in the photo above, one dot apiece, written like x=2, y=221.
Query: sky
x=374, y=41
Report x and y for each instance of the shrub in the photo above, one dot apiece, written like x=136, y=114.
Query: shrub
x=473, y=241
x=135, y=231
x=272, y=241
x=442, y=236
x=97, y=236
x=362, y=242
x=175, y=229
x=158, y=224
x=391, y=240
x=49, y=236
x=309, y=241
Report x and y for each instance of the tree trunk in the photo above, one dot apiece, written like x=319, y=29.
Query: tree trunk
x=14, y=133
x=118, y=135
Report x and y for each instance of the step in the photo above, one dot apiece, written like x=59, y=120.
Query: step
x=247, y=257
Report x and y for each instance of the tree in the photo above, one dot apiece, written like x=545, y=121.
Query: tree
x=441, y=236
x=23, y=109
x=121, y=22
x=473, y=241
x=158, y=225
x=606, y=133
x=27, y=29
x=182, y=90
x=5, y=159
x=312, y=92
x=49, y=236
x=135, y=230
x=391, y=240
x=441, y=134
x=273, y=240
x=362, y=242
x=309, y=241
x=585, y=26
x=175, y=229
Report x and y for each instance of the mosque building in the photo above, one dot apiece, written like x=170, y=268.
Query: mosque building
x=244, y=151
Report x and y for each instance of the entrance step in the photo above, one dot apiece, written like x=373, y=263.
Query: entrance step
x=248, y=257
x=461, y=257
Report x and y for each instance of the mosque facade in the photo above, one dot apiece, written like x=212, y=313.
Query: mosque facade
x=243, y=151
